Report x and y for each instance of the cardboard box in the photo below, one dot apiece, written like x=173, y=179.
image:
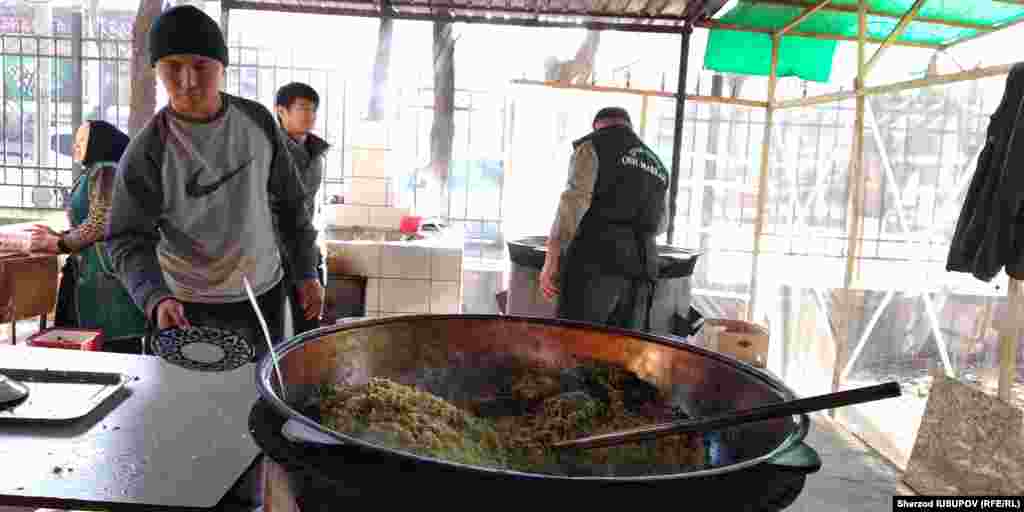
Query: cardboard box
x=744, y=341
x=369, y=162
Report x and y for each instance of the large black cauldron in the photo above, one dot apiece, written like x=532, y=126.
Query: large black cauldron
x=757, y=467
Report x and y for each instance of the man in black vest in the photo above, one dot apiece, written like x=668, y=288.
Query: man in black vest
x=613, y=207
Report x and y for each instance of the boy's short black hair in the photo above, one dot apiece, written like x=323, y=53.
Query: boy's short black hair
x=287, y=94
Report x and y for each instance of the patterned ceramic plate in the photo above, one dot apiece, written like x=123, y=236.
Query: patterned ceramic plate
x=208, y=349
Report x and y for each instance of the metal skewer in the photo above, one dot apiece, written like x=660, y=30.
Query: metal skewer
x=266, y=332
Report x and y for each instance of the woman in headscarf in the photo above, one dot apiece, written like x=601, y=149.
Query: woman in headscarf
x=90, y=295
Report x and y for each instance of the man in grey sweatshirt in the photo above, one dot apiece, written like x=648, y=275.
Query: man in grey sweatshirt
x=198, y=194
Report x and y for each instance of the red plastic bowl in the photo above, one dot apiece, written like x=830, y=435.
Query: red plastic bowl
x=410, y=224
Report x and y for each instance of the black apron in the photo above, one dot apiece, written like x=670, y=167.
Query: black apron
x=66, y=314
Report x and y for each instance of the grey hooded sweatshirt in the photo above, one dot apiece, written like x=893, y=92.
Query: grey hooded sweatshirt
x=194, y=207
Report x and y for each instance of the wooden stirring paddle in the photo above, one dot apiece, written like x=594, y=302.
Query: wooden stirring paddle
x=732, y=419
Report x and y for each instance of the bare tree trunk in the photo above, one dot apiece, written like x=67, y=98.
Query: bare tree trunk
x=585, y=56
x=442, y=132
x=143, y=100
x=580, y=69
x=736, y=84
x=735, y=89
x=93, y=19
x=378, y=87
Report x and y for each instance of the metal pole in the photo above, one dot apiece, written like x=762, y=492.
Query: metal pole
x=762, y=180
x=76, y=82
x=45, y=54
x=677, y=136
x=855, y=226
x=1008, y=341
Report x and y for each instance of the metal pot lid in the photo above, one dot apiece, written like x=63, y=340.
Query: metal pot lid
x=11, y=390
x=201, y=348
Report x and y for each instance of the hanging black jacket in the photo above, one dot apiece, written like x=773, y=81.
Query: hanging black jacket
x=617, y=232
x=990, y=231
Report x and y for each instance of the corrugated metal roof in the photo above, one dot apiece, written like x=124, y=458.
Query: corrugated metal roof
x=627, y=15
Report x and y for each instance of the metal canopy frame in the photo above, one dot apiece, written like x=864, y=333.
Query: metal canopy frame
x=664, y=16
x=864, y=117
x=698, y=13
x=650, y=16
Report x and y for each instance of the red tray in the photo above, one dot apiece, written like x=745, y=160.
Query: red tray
x=68, y=338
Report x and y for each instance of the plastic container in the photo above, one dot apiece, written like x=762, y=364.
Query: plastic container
x=742, y=340
x=67, y=338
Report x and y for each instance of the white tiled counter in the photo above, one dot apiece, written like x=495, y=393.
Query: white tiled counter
x=414, y=277
x=361, y=239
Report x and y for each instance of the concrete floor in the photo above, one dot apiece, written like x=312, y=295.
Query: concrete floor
x=852, y=478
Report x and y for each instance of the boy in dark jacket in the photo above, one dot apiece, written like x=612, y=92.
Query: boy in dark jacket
x=296, y=106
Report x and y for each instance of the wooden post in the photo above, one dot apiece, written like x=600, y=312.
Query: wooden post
x=895, y=33
x=1008, y=340
x=807, y=12
x=762, y=187
x=762, y=182
x=696, y=98
x=856, y=209
x=917, y=83
x=643, y=116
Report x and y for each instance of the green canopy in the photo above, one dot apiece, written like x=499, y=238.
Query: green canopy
x=938, y=23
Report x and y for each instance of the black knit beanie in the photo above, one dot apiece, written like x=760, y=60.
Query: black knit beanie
x=186, y=30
